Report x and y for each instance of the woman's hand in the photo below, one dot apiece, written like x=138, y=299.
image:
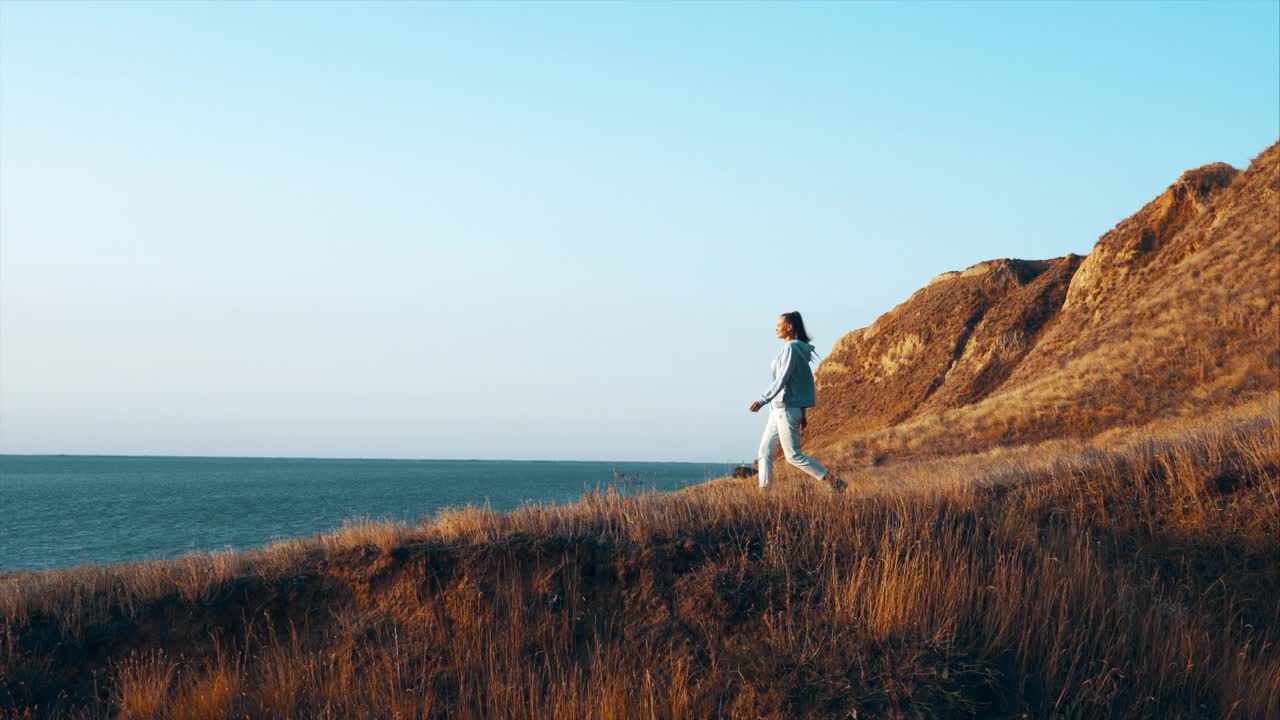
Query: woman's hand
x=804, y=421
x=755, y=406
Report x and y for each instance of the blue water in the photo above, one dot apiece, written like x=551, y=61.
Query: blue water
x=61, y=511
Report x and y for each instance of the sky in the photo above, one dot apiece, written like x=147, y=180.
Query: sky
x=545, y=231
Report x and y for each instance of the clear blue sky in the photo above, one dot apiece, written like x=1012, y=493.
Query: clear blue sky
x=545, y=231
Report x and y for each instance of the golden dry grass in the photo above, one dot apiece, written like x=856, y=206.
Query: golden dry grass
x=1135, y=575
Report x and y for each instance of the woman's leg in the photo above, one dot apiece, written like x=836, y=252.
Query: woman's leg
x=789, y=433
x=767, y=444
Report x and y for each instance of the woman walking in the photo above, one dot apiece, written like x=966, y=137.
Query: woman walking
x=790, y=393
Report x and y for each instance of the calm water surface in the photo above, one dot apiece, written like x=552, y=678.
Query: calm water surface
x=60, y=511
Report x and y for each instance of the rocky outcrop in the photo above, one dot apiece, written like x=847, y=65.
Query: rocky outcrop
x=953, y=342
x=1005, y=334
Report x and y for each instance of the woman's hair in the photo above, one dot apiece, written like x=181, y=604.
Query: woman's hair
x=797, y=322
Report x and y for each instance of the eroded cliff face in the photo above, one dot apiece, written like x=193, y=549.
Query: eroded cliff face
x=1135, y=242
x=953, y=342
x=1174, y=309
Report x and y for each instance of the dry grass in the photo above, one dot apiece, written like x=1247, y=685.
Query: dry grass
x=1133, y=576
x=142, y=684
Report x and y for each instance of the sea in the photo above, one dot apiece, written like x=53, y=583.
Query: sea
x=60, y=511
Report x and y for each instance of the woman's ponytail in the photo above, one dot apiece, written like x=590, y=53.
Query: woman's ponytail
x=797, y=323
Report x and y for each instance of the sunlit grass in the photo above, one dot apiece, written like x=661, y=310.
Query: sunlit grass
x=1134, y=575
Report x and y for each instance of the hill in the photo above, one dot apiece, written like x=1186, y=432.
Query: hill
x=1174, y=313
x=1065, y=502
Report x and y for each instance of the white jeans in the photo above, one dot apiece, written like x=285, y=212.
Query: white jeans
x=784, y=425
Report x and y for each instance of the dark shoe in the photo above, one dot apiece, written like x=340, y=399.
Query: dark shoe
x=837, y=485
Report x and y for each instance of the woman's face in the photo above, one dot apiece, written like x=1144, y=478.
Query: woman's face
x=783, y=327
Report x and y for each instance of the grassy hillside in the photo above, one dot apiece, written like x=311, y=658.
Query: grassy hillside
x=1176, y=311
x=1128, y=577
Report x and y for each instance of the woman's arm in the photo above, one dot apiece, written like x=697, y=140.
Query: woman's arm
x=787, y=366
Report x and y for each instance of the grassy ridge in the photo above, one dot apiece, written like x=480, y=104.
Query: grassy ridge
x=1174, y=312
x=1136, y=575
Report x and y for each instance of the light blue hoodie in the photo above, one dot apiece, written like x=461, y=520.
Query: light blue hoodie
x=792, y=384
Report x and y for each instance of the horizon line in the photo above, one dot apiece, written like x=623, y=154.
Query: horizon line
x=374, y=459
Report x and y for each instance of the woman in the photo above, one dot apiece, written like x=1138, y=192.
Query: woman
x=790, y=393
